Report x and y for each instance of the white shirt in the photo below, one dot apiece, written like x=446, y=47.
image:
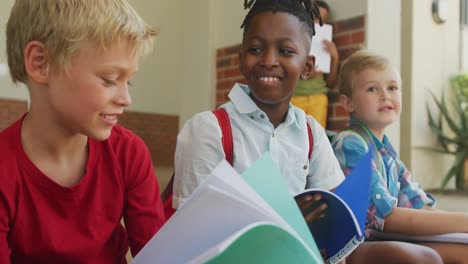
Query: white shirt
x=199, y=148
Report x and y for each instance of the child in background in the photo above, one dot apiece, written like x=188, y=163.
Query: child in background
x=274, y=55
x=68, y=172
x=370, y=90
x=311, y=93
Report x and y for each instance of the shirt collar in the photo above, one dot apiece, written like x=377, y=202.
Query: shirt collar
x=378, y=144
x=240, y=98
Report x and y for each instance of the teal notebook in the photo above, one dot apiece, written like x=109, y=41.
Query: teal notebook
x=236, y=219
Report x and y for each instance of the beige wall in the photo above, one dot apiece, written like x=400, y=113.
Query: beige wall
x=384, y=36
x=344, y=9
x=464, y=50
x=229, y=17
x=7, y=90
x=197, y=68
x=179, y=77
x=157, y=84
x=430, y=56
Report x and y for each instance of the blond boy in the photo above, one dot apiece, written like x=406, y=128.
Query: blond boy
x=370, y=90
x=68, y=172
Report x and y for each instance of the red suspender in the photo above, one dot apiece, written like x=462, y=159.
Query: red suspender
x=311, y=139
x=228, y=146
x=227, y=141
x=226, y=138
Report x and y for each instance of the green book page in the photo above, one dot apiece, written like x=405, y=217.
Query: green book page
x=264, y=244
x=265, y=178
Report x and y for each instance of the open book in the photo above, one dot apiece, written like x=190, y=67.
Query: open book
x=341, y=229
x=232, y=218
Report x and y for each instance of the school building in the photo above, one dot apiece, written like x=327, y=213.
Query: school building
x=194, y=64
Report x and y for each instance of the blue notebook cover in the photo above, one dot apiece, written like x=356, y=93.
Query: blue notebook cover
x=341, y=229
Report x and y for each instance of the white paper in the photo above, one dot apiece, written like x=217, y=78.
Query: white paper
x=187, y=235
x=318, y=49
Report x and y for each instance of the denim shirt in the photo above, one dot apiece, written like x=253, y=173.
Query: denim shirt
x=392, y=184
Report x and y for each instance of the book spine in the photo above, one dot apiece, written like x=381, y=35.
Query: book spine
x=346, y=250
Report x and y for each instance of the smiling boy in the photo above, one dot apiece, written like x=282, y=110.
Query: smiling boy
x=68, y=172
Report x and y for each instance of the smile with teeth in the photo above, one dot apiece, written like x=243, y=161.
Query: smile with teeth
x=268, y=79
x=109, y=117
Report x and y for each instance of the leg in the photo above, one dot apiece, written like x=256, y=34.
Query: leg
x=393, y=252
x=451, y=253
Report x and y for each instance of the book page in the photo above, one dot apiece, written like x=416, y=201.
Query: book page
x=265, y=178
x=318, y=49
x=276, y=246
x=212, y=219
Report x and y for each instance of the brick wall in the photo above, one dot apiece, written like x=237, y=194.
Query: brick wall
x=348, y=35
x=159, y=132
x=227, y=72
x=10, y=111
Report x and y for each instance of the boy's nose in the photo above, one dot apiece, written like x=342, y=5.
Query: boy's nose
x=123, y=97
x=384, y=96
x=270, y=59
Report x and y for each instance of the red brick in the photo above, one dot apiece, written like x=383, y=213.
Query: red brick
x=221, y=98
x=223, y=62
x=339, y=111
x=10, y=111
x=219, y=53
x=232, y=50
x=358, y=37
x=235, y=60
x=337, y=125
x=233, y=72
x=224, y=84
x=346, y=52
x=350, y=24
x=158, y=131
x=219, y=74
x=342, y=39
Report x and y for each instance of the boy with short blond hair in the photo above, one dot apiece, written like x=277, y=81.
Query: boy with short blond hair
x=68, y=172
x=370, y=90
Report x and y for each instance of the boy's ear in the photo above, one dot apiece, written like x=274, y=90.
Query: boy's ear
x=35, y=62
x=346, y=103
x=309, y=67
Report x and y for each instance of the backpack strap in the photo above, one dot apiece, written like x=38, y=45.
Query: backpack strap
x=226, y=131
x=364, y=132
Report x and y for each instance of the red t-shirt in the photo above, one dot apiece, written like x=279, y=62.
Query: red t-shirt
x=43, y=222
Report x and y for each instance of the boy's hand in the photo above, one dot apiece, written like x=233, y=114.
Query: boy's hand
x=312, y=207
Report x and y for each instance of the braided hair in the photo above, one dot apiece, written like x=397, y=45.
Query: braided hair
x=305, y=10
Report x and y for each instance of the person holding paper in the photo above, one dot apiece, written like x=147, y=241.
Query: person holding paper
x=311, y=91
x=370, y=90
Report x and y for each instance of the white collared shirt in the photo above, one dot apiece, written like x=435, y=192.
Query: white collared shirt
x=199, y=148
